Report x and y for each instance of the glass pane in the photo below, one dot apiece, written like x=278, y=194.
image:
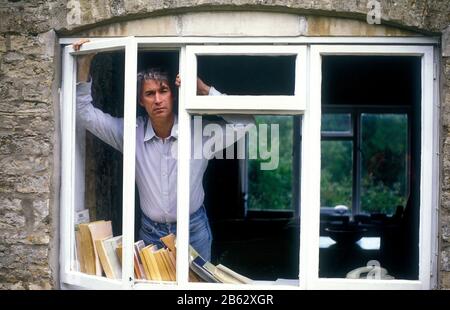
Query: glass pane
x=99, y=165
x=384, y=149
x=156, y=167
x=336, y=177
x=248, y=164
x=249, y=75
x=339, y=123
x=349, y=80
x=272, y=189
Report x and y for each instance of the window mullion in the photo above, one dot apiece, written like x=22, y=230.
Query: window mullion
x=68, y=162
x=356, y=117
x=183, y=178
x=129, y=162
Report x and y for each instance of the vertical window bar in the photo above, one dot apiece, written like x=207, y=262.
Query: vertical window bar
x=129, y=161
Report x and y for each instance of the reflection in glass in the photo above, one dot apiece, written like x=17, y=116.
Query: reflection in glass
x=249, y=75
x=341, y=123
x=384, y=162
x=248, y=199
x=336, y=175
x=272, y=189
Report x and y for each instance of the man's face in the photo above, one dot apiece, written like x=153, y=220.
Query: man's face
x=156, y=98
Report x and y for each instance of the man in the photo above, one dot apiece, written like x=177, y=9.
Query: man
x=156, y=168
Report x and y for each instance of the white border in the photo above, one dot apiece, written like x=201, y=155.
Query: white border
x=427, y=177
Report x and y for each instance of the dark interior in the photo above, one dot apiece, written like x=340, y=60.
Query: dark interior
x=379, y=82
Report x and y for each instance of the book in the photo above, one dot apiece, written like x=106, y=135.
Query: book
x=164, y=271
x=231, y=275
x=109, y=259
x=86, y=249
x=99, y=230
x=210, y=273
x=81, y=217
x=169, y=241
x=197, y=265
x=150, y=264
x=139, y=272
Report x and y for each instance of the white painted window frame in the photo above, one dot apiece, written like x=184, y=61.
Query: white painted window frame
x=278, y=104
x=429, y=177
x=310, y=190
x=69, y=277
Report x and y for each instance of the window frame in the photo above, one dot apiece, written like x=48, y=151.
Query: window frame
x=69, y=159
x=294, y=104
x=356, y=137
x=429, y=177
x=311, y=136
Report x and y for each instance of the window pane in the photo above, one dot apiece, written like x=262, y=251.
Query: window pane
x=249, y=75
x=272, y=189
x=156, y=166
x=336, y=123
x=99, y=166
x=336, y=175
x=384, y=149
x=251, y=167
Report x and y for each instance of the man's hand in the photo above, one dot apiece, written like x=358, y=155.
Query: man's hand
x=202, y=88
x=83, y=62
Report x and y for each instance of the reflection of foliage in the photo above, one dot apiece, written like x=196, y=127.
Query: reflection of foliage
x=272, y=189
x=383, y=164
x=336, y=173
x=379, y=198
x=383, y=154
x=383, y=167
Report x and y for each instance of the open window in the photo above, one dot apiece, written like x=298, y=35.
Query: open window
x=322, y=134
x=373, y=209
x=98, y=181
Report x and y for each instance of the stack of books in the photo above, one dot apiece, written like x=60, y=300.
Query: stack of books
x=100, y=253
x=151, y=263
x=208, y=272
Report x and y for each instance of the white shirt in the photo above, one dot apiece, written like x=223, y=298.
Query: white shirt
x=156, y=168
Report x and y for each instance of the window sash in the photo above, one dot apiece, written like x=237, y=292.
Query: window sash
x=69, y=158
x=246, y=104
x=428, y=177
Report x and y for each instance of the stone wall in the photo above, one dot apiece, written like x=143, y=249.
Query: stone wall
x=27, y=138
x=29, y=109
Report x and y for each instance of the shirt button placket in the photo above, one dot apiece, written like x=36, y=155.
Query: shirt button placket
x=165, y=181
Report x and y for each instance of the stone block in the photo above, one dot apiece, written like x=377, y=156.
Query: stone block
x=445, y=226
x=445, y=259
x=11, y=144
x=25, y=184
x=23, y=165
x=444, y=280
x=244, y=23
x=3, y=48
x=446, y=42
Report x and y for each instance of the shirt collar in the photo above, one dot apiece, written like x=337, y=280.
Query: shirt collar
x=150, y=133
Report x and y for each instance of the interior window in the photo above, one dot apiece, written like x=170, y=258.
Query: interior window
x=370, y=160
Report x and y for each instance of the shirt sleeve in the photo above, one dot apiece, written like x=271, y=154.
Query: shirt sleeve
x=233, y=126
x=102, y=125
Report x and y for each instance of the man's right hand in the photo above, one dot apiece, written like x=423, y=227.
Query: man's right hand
x=83, y=62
